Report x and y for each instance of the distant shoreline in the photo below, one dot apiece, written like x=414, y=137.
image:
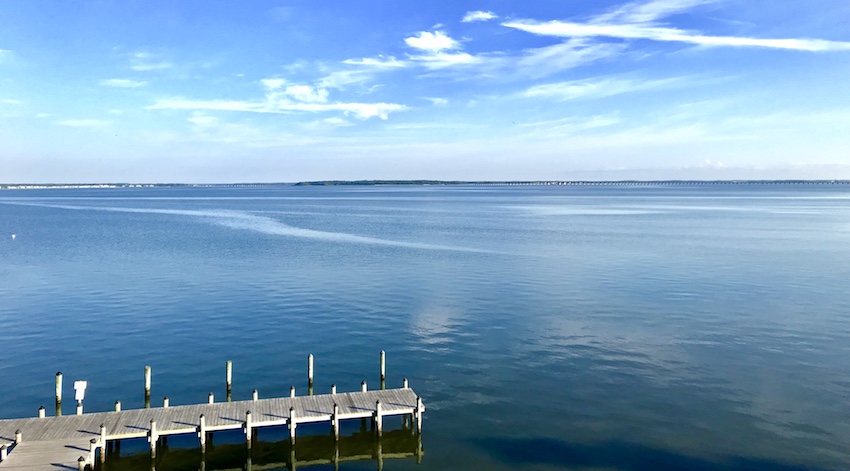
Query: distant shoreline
x=37, y=186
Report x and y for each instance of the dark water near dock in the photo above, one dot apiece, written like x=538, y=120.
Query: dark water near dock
x=615, y=328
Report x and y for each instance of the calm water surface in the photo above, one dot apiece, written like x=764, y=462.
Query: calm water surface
x=604, y=328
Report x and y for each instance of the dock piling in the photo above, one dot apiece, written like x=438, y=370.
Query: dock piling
x=333, y=389
x=292, y=391
x=41, y=412
x=81, y=464
x=335, y=422
x=3, y=453
x=291, y=423
x=153, y=437
x=363, y=387
x=310, y=371
x=58, y=393
x=383, y=369
x=229, y=378
x=418, y=414
x=202, y=432
x=379, y=419
x=165, y=402
x=404, y=384
x=92, y=450
x=248, y=431
x=211, y=398
x=117, y=406
x=255, y=395
x=102, y=443
x=19, y=437
x=147, y=387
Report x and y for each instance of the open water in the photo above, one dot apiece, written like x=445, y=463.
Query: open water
x=547, y=328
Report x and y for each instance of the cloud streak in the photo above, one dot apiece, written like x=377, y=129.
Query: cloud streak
x=123, y=83
x=596, y=88
x=478, y=15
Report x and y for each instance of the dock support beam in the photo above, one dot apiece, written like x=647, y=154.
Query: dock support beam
x=229, y=378
x=147, y=387
x=292, y=425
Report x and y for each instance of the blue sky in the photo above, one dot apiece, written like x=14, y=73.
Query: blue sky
x=215, y=91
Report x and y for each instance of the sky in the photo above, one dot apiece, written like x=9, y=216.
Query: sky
x=283, y=91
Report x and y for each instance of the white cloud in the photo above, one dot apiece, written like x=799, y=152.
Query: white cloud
x=9, y=101
x=305, y=93
x=431, y=42
x=441, y=60
x=359, y=110
x=273, y=83
x=145, y=61
x=596, y=88
x=437, y=101
x=637, y=20
x=84, y=123
x=123, y=83
x=151, y=66
x=379, y=62
x=202, y=120
x=478, y=16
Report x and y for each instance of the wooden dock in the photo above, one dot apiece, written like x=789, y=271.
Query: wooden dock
x=75, y=441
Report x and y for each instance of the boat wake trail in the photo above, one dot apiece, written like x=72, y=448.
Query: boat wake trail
x=250, y=222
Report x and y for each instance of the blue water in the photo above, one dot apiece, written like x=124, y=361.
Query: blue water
x=616, y=328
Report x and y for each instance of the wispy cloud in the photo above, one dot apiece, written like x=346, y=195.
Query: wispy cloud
x=123, y=83
x=84, y=123
x=638, y=20
x=431, y=42
x=438, y=50
x=437, y=101
x=478, y=15
x=597, y=88
x=146, y=61
x=10, y=101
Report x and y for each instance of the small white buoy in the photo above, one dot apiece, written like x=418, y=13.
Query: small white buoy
x=13, y=236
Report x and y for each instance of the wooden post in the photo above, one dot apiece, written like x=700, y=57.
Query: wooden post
x=202, y=432
x=147, y=387
x=333, y=389
x=383, y=368
x=229, y=378
x=80, y=408
x=248, y=431
x=117, y=406
x=92, y=450
x=58, y=393
x=41, y=412
x=292, y=391
x=363, y=386
x=81, y=464
x=255, y=396
x=418, y=413
x=404, y=384
x=211, y=398
x=102, y=443
x=310, y=370
x=19, y=437
x=153, y=437
x=3, y=453
x=292, y=425
x=165, y=402
x=379, y=418
x=335, y=421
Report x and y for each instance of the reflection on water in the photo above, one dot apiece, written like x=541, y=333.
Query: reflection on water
x=309, y=452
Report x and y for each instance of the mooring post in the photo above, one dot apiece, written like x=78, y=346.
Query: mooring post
x=292, y=391
x=255, y=395
x=117, y=406
x=153, y=437
x=165, y=402
x=3, y=453
x=335, y=421
x=80, y=408
x=211, y=398
x=19, y=437
x=58, y=393
x=383, y=369
x=147, y=387
x=229, y=378
x=310, y=371
x=92, y=450
x=81, y=464
x=292, y=424
x=379, y=418
x=418, y=413
x=41, y=412
x=248, y=431
x=363, y=386
x=333, y=389
x=404, y=384
x=102, y=443
x=202, y=432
